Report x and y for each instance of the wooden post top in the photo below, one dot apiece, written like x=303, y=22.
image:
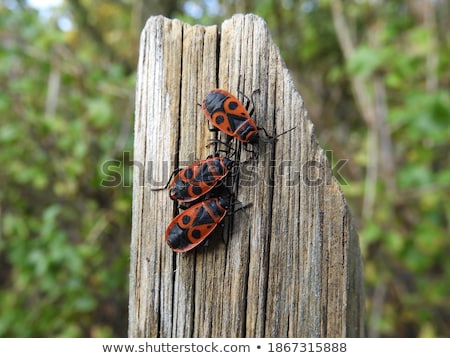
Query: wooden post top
x=287, y=266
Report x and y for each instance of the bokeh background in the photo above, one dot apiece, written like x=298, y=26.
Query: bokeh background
x=375, y=77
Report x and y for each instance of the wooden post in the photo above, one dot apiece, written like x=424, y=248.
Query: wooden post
x=289, y=265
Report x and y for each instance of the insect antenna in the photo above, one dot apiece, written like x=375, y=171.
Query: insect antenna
x=156, y=188
x=272, y=139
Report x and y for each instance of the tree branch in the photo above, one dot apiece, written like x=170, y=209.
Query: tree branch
x=373, y=109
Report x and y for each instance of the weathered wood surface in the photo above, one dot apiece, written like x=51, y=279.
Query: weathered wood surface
x=290, y=266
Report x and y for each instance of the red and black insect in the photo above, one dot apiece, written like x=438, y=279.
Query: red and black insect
x=191, y=227
x=198, y=179
x=228, y=114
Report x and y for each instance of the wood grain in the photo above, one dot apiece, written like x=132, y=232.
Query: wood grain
x=287, y=266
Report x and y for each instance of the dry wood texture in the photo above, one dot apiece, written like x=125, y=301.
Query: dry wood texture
x=289, y=265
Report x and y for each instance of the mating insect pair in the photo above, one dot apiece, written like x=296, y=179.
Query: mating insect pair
x=198, y=188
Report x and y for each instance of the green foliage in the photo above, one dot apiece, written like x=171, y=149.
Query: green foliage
x=406, y=238
x=64, y=247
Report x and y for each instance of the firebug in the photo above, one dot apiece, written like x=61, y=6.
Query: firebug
x=192, y=226
x=196, y=180
x=229, y=115
x=191, y=183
